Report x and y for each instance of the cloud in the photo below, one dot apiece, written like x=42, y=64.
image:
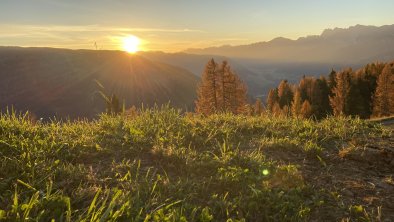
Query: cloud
x=87, y=28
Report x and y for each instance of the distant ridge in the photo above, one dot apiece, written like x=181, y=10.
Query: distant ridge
x=353, y=45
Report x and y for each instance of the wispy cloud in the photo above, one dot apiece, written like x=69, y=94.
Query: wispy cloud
x=87, y=28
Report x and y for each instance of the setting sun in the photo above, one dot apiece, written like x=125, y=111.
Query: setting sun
x=131, y=43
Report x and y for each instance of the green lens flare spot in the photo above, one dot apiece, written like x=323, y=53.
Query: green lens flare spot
x=265, y=172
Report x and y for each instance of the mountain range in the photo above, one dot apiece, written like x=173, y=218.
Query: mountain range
x=353, y=45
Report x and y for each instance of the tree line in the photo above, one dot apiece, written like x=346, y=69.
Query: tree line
x=367, y=92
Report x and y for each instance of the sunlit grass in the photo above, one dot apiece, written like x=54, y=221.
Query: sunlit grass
x=161, y=165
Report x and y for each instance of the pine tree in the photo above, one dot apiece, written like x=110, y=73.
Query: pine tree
x=383, y=100
x=339, y=100
x=296, y=104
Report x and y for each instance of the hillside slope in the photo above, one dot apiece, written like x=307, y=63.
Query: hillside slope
x=60, y=82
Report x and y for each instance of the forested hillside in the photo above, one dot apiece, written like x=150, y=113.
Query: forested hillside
x=367, y=92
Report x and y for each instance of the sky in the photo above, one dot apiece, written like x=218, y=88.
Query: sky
x=176, y=25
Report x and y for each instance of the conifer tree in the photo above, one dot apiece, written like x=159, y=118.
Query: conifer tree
x=332, y=83
x=286, y=111
x=240, y=96
x=285, y=94
x=355, y=99
x=305, y=87
x=319, y=98
x=207, y=101
x=306, y=110
x=276, y=110
x=383, y=96
x=258, y=107
x=392, y=95
x=339, y=100
x=367, y=85
x=296, y=104
x=220, y=90
x=272, y=99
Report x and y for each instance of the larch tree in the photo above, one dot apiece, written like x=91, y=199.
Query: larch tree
x=332, y=83
x=220, y=90
x=305, y=87
x=339, y=100
x=306, y=109
x=285, y=94
x=392, y=95
x=296, y=104
x=240, y=96
x=258, y=107
x=383, y=96
x=272, y=99
x=226, y=92
x=207, y=101
x=319, y=98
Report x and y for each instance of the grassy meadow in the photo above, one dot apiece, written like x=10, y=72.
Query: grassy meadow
x=159, y=164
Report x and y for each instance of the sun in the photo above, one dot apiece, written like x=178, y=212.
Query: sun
x=131, y=44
